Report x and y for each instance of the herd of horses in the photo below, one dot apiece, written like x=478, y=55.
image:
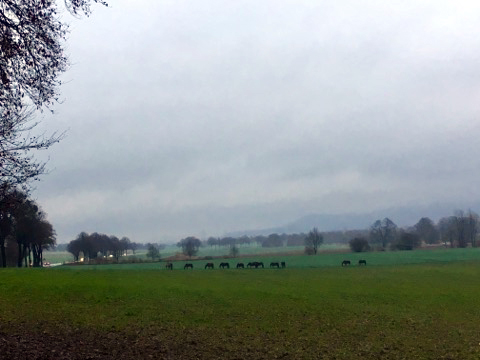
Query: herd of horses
x=348, y=262
x=251, y=265
x=226, y=265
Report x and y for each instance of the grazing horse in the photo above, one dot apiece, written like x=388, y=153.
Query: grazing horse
x=346, y=262
x=283, y=265
x=224, y=265
x=188, y=266
x=275, y=264
x=362, y=262
x=240, y=266
x=169, y=266
x=209, y=266
x=255, y=264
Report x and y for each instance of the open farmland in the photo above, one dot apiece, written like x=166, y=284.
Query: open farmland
x=328, y=259
x=425, y=311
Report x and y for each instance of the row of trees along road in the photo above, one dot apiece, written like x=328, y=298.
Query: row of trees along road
x=91, y=246
x=24, y=230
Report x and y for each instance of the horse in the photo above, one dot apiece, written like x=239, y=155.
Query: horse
x=240, y=266
x=224, y=265
x=169, y=266
x=346, y=262
x=362, y=262
x=255, y=264
x=283, y=265
x=188, y=266
x=275, y=264
x=209, y=266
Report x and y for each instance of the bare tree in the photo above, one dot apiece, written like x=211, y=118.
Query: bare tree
x=472, y=227
x=447, y=229
x=189, y=245
x=31, y=51
x=32, y=58
x=460, y=221
x=17, y=168
x=383, y=232
x=313, y=240
x=426, y=230
x=153, y=251
x=32, y=232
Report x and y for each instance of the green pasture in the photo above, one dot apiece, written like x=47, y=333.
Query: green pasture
x=323, y=259
x=403, y=307
x=171, y=250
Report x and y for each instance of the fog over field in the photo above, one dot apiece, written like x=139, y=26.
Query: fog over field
x=208, y=117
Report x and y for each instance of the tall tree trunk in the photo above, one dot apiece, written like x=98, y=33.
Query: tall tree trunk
x=28, y=254
x=4, y=257
x=20, y=255
x=2, y=251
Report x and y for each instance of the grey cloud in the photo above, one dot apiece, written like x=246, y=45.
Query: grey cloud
x=214, y=116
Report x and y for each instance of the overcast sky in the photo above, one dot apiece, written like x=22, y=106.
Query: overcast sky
x=204, y=117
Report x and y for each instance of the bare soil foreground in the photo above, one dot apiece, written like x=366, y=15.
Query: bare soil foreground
x=159, y=344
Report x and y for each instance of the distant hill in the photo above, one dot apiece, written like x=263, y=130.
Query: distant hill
x=402, y=216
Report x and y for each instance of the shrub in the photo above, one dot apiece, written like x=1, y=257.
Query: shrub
x=407, y=241
x=309, y=250
x=359, y=244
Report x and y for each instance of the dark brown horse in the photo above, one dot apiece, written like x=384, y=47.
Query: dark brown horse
x=224, y=265
x=209, y=266
x=275, y=264
x=240, y=266
x=255, y=264
x=346, y=262
x=188, y=266
x=169, y=266
x=283, y=264
x=362, y=262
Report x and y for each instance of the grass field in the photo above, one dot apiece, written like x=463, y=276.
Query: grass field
x=170, y=250
x=406, y=305
x=387, y=258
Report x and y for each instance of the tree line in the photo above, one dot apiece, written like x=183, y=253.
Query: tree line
x=95, y=245
x=280, y=240
x=24, y=229
x=458, y=230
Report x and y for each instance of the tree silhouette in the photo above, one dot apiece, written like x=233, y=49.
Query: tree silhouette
x=32, y=58
x=426, y=230
x=383, y=232
x=189, y=245
x=313, y=240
